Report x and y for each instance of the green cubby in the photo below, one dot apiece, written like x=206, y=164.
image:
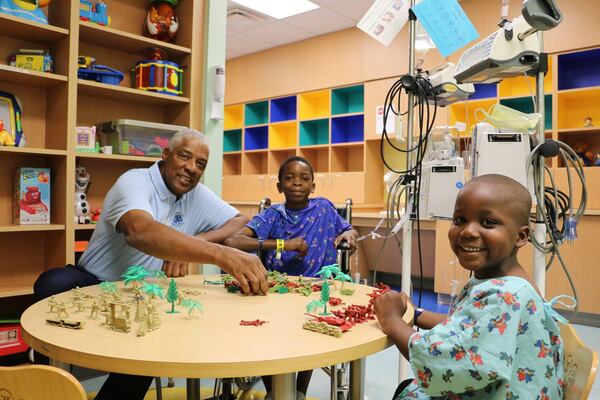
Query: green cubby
x=348, y=100
x=256, y=113
x=232, y=140
x=314, y=132
x=525, y=104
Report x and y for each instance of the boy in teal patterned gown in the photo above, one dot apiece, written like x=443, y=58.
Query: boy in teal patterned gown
x=501, y=339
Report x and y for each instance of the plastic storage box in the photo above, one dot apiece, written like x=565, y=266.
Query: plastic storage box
x=140, y=138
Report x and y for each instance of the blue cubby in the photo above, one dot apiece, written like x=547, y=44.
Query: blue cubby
x=579, y=70
x=485, y=91
x=314, y=132
x=256, y=113
x=348, y=129
x=283, y=109
x=348, y=100
x=232, y=140
x=525, y=104
x=256, y=138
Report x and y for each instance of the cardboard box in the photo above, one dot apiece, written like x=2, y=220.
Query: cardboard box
x=32, y=196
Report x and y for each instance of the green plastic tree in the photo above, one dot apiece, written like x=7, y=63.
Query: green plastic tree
x=158, y=274
x=192, y=305
x=135, y=274
x=342, y=277
x=314, y=305
x=328, y=271
x=325, y=297
x=108, y=287
x=172, y=296
x=153, y=291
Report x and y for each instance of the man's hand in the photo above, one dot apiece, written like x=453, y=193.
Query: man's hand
x=174, y=269
x=349, y=237
x=389, y=309
x=246, y=269
x=296, y=244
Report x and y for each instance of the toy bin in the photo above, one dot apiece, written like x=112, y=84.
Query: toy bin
x=12, y=346
x=139, y=138
x=101, y=73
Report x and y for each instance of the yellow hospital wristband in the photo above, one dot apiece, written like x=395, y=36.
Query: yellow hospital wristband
x=279, y=249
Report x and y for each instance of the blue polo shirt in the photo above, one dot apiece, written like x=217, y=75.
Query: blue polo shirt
x=200, y=210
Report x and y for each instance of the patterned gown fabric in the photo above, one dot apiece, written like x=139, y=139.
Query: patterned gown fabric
x=500, y=341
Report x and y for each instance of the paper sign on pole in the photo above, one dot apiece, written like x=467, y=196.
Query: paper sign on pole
x=385, y=19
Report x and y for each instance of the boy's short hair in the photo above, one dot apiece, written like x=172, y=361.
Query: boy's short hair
x=518, y=198
x=291, y=160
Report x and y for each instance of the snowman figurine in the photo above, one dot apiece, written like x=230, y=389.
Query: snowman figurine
x=82, y=180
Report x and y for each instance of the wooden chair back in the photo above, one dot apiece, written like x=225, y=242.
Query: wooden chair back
x=39, y=382
x=580, y=364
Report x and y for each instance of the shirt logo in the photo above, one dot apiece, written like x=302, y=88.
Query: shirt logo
x=177, y=219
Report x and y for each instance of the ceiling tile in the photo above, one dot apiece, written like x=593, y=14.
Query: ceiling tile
x=354, y=9
x=320, y=21
x=241, y=43
x=241, y=23
x=232, y=54
x=279, y=33
x=326, y=3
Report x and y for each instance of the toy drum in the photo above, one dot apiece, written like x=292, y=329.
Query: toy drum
x=159, y=76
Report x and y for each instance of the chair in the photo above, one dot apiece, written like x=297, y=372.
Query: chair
x=580, y=365
x=36, y=382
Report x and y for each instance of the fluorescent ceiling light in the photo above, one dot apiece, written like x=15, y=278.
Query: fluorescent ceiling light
x=278, y=8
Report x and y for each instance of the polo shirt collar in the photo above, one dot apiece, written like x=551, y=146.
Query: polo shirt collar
x=157, y=180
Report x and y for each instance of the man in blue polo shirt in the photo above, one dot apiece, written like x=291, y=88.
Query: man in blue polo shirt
x=159, y=217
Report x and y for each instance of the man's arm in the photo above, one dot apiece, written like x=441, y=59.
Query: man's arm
x=143, y=233
x=226, y=230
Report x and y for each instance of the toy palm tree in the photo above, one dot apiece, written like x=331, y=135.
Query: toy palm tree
x=153, y=291
x=314, y=305
x=192, y=305
x=159, y=274
x=172, y=296
x=135, y=274
x=108, y=287
x=342, y=277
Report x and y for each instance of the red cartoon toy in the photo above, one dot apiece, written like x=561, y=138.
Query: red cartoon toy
x=161, y=20
x=32, y=203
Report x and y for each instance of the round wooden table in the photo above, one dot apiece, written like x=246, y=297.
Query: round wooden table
x=212, y=344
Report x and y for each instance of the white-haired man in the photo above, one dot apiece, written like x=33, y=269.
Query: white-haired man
x=159, y=217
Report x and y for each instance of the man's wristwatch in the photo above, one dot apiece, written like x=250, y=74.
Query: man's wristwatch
x=418, y=313
x=261, y=242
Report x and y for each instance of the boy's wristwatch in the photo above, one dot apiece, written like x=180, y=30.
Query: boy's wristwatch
x=418, y=313
x=261, y=242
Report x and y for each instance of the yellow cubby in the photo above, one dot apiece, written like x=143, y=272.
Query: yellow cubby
x=234, y=117
x=465, y=111
x=524, y=85
x=314, y=104
x=575, y=105
x=283, y=135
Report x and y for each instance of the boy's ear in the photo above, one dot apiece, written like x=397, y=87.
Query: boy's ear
x=523, y=238
x=312, y=188
x=279, y=189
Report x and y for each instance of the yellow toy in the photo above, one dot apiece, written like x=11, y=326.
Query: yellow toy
x=6, y=138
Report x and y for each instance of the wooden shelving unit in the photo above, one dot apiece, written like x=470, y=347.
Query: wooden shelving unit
x=54, y=104
x=325, y=126
x=30, y=78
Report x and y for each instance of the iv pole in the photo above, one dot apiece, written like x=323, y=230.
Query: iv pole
x=539, y=258
x=403, y=367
